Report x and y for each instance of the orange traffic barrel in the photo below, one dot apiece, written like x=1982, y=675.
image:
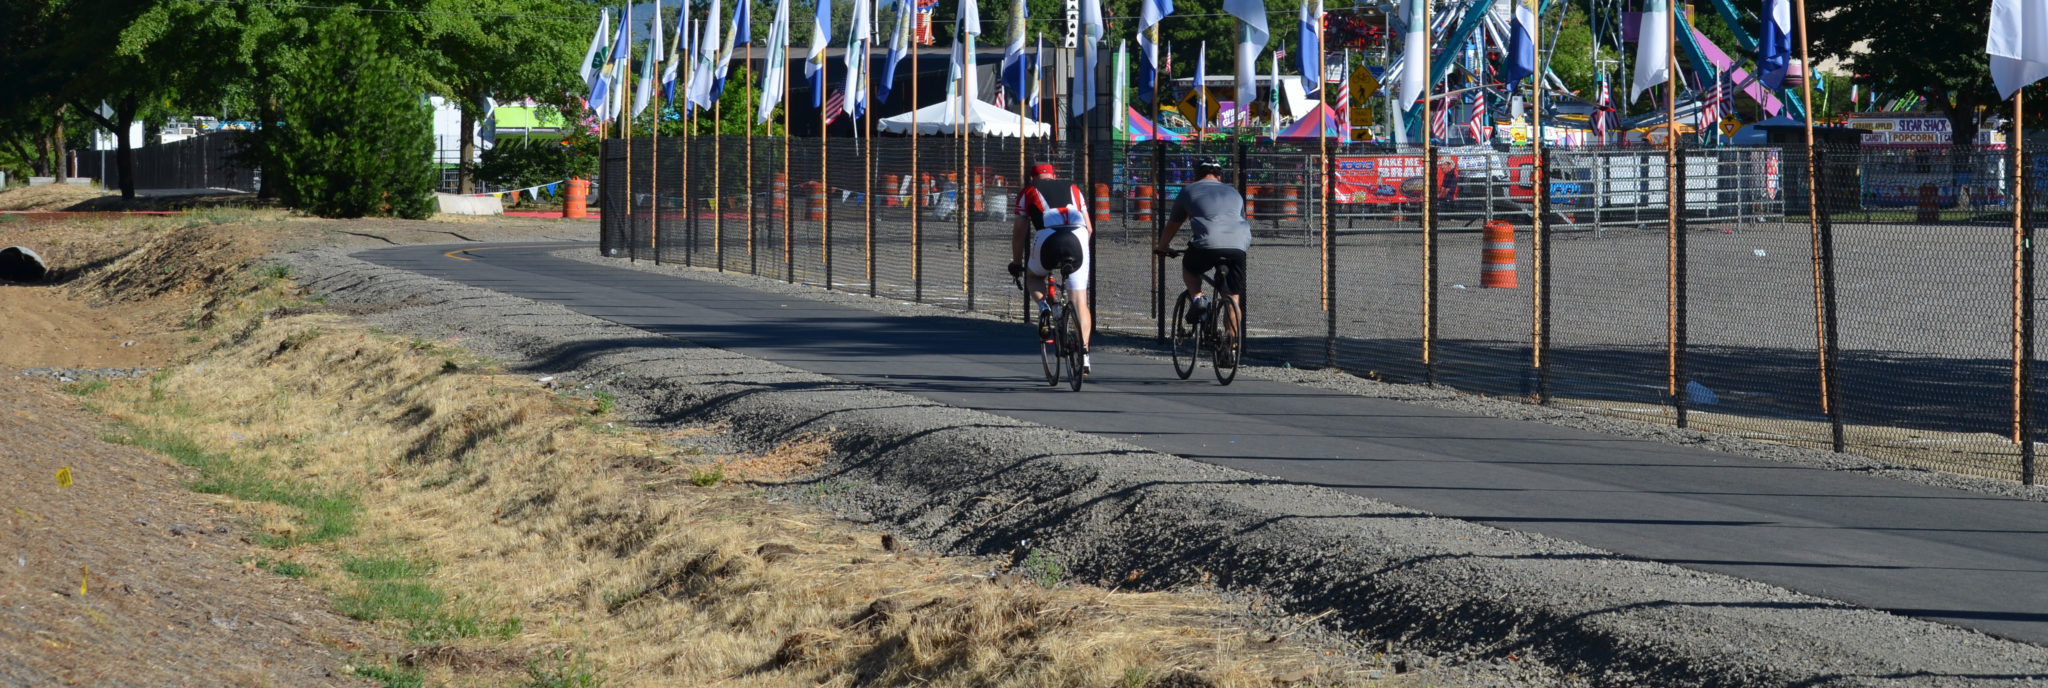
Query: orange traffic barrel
x=1251, y=199
x=579, y=197
x=1290, y=202
x=889, y=189
x=1101, y=203
x=815, y=209
x=1497, y=268
x=1144, y=204
x=781, y=194
x=980, y=190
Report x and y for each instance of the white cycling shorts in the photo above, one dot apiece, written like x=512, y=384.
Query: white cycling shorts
x=1077, y=279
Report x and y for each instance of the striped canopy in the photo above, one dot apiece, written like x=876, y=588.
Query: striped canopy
x=1321, y=121
x=1136, y=128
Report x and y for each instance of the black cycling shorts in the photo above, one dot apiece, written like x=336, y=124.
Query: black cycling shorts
x=1199, y=260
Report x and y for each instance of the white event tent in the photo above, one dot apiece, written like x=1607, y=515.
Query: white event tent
x=985, y=118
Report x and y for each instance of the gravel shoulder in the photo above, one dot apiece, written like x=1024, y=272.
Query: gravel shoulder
x=1375, y=574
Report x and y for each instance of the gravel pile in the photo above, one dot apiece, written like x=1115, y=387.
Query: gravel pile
x=1525, y=609
x=77, y=374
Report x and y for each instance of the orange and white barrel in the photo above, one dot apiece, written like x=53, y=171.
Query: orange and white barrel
x=1497, y=264
x=1101, y=201
x=1144, y=200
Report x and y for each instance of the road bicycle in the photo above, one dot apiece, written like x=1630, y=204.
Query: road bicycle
x=1059, y=331
x=1212, y=331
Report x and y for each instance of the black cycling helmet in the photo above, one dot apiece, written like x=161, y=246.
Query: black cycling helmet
x=1208, y=168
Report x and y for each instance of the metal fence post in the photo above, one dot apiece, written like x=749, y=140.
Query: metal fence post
x=1824, y=291
x=2023, y=301
x=1676, y=230
x=1325, y=195
x=1540, y=243
x=1429, y=260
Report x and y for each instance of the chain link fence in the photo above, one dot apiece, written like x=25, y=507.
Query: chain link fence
x=1891, y=319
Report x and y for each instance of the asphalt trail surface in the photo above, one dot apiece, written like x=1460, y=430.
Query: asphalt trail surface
x=1963, y=558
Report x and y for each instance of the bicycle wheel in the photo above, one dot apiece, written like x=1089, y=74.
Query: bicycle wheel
x=1049, y=354
x=1070, y=328
x=1186, y=341
x=1229, y=340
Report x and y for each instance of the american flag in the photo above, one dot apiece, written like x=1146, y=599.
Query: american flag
x=1478, y=124
x=1344, y=110
x=1440, y=121
x=835, y=105
x=1603, y=115
x=1712, y=103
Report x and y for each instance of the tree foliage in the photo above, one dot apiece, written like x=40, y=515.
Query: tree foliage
x=360, y=139
x=1934, y=49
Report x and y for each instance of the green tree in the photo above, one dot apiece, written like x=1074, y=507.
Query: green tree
x=1934, y=49
x=358, y=139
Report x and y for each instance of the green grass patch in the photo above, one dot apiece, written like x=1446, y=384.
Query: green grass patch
x=390, y=588
x=605, y=402
x=707, y=477
x=283, y=568
x=391, y=677
x=322, y=516
x=86, y=388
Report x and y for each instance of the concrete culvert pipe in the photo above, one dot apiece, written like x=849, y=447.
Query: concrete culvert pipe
x=19, y=264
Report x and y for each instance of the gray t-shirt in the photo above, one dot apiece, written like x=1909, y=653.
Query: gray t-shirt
x=1215, y=215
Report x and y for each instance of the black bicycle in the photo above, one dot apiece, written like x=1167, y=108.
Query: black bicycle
x=1059, y=332
x=1220, y=329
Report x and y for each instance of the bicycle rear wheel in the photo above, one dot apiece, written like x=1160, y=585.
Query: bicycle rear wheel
x=1070, y=332
x=1186, y=339
x=1049, y=354
x=1229, y=324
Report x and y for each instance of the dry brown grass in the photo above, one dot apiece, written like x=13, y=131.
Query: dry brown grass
x=531, y=506
x=47, y=197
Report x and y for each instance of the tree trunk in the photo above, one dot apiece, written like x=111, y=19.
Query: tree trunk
x=266, y=117
x=60, y=170
x=42, y=160
x=125, y=118
x=465, y=179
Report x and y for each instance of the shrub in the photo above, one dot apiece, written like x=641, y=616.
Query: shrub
x=356, y=138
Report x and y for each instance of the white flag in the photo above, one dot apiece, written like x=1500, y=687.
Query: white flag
x=1251, y=39
x=814, y=64
x=1653, y=49
x=604, y=26
x=857, y=40
x=778, y=60
x=970, y=27
x=644, y=91
x=705, y=64
x=1089, y=73
x=2018, y=44
x=1414, y=54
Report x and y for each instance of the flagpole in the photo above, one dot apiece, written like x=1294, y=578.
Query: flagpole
x=654, y=178
x=825, y=170
x=689, y=182
x=1823, y=249
x=626, y=123
x=788, y=191
x=966, y=172
x=1674, y=289
x=1322, y=83
x=718, y=176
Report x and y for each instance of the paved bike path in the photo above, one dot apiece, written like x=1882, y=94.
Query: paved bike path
x=1963, y=558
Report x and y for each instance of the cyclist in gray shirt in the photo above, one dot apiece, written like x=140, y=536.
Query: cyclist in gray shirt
x=1219, y=236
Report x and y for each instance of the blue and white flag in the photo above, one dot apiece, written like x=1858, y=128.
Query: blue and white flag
x=1092, y=31
x=1774, y=52
x=1201, y=93
x=1251, y=40
x=1414, y=55
x=899, y=45
x=1520, y=61
x=857, y=41
x=604, y=93
x=604, y=26
x=772, y=77
x=740, y=33
x=1311, y=50
x=1014, y=61
x=1150, y=12
x=677, y=50
x=814, y=64
x=1037, y=76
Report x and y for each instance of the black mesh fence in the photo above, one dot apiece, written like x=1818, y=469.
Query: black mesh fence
x=1881, y=320
x=206, y=161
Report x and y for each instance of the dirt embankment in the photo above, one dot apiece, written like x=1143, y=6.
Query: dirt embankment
x=304, y=500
